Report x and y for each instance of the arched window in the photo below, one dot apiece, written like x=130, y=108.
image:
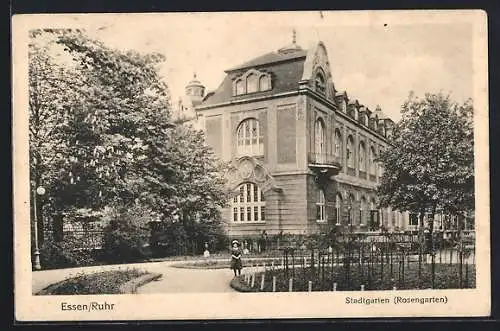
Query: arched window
x=319, y=83
x=362, y=156
x=338, y=143
x=264, y=83
x=252, y=83
x=350, y=204
x=350, y=151
x=320, y=207
x=373, y=164
x=362, y=211
x=319, y=136
x=344, y=106
x=374, y=216
x=380, y=167
x=249, y=138
x=240, y=87
x=362, y=118
x=249, y=205
x=338, y=208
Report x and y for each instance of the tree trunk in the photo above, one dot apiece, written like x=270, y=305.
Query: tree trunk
x=431, y=228
x=421, y=219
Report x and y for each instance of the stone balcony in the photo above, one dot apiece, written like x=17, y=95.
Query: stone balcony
x=324, y=164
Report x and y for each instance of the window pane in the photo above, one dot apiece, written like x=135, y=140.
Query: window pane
x=252, y=83
x=249, y=192
x=264, y=83
x=240, y=87
x=262, y=213
x=247, y=207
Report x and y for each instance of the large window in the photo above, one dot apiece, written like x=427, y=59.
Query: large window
x=250, y=138
x=338, y=143
x=338, y=206
x=249, y=205
x=380, y=167
x=373, y=164
x=362, y=156
x=362, y=211
x=350, y=152
x=320, y=207
x=319, y=135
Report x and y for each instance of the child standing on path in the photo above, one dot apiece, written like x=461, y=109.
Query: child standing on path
x=236, y=264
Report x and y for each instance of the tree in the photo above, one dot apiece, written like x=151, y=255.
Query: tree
x=101, y=134
x=429, y=164
x=53, y=95
x=183, y=178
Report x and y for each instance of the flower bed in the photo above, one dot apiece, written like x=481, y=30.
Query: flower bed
x=222, y=264
x=445, y=277
x=107, y=282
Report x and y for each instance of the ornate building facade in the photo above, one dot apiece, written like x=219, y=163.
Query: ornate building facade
x=302, y=153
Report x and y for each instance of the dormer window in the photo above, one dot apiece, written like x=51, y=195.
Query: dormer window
x=240, y=87
x=251, y=82
x=319, y=83
x=265, y=83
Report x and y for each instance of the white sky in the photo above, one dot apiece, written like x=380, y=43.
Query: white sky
x=374, y=63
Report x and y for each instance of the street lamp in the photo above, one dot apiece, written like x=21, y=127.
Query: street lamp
x=39, y=191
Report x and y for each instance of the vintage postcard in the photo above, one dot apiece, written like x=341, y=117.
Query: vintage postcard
x=248, y=165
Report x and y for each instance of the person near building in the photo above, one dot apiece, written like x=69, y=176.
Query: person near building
x=236, y=264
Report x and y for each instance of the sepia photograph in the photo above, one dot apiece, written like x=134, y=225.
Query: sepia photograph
x=316, y=164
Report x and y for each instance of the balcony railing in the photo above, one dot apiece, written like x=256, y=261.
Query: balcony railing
x=324, y=165
x=325, y=159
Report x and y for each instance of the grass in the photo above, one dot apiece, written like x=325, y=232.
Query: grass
x=376, y=278
x=107, y=282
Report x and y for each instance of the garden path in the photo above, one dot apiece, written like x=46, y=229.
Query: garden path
x=173, y=279
x=181, y=280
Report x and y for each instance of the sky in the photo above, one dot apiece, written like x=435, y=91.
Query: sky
x=377, y=59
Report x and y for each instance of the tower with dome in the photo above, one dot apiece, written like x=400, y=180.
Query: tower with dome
x=184, y=111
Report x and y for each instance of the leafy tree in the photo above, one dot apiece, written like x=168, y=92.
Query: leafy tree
x=184, y=183
x=126, y=236
x=101, y=135
x=429, y=164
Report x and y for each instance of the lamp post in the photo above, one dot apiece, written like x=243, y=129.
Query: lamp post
x=39, y=191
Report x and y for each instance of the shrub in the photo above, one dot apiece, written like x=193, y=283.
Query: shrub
x=126, y=236
x=56, y=255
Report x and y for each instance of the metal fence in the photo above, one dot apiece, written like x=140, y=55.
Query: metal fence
x=373, y=262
